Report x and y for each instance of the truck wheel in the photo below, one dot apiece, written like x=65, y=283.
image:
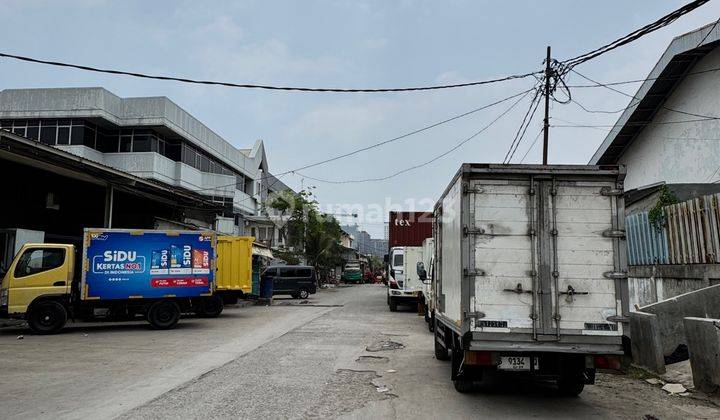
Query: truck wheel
x=163, y=314
x=571, y=385
x=211, y=307
x=431, y=324
x=393, y=305
x=461, y=381
x=303, y=294
x=47, y=317
x=426, y=312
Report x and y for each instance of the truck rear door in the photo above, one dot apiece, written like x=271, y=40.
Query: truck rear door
x=544, y=256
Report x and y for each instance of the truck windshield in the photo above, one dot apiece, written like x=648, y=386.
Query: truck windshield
x=397, y=260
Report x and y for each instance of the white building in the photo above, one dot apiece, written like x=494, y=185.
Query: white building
x=671, y=133
x=152, y=138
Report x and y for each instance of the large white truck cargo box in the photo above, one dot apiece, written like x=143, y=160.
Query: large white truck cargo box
x=531, y=259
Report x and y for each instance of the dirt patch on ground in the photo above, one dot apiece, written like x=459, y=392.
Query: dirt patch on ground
x=348, y=390
x=372, y=359
x=385, y=345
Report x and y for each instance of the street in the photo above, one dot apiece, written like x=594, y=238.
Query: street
x=321, y=359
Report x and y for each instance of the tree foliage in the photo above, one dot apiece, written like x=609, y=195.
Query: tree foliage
x=656, y=215
x=311, y=234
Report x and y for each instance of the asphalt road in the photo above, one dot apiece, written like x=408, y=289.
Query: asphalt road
x=287, y=361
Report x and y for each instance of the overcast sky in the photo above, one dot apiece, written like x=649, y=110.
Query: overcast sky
x=355, y=43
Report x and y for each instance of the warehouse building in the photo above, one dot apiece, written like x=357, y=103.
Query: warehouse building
x=151, y=138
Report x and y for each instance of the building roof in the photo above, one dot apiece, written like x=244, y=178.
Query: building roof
x=96, y=103
x=674, y=65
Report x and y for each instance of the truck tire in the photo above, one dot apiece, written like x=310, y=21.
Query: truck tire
x=392, y=304
x=431, y=324
x=441, y=353
x=210, y=307
x=47, y=317
x=163, y=314
x=303, y=294
x=571, y=385
x=461, y=381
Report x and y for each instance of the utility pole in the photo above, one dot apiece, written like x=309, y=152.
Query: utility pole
x=546, y=122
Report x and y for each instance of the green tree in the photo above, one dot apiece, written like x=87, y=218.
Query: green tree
x=311, y=234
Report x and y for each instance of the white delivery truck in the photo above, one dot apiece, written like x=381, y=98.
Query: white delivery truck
x=426, y=275
x=404, y=285
x=531, y=273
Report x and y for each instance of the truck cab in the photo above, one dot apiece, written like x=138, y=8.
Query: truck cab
x=38, y=283
x=404, y=285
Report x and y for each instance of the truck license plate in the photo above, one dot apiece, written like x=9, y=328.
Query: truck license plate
x=514, y=363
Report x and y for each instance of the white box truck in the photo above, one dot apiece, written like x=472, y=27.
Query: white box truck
x=404, y=284
x=530, y=273
x=426, y=275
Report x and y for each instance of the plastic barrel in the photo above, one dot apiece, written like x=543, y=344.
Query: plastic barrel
x=266, y=288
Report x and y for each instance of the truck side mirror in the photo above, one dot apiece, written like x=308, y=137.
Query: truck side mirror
x=421, y=272
x=386, y=259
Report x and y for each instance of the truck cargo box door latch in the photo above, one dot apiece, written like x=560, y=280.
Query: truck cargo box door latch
x=473, y=273
x=467, y=231
x=518, y=289
x=615, y=275
x=614, y=233
x=570, y=293
x=473, y=315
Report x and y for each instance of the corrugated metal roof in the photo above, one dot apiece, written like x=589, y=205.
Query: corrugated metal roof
x=677, y=60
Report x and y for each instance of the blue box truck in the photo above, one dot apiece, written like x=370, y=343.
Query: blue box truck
x=120, y=274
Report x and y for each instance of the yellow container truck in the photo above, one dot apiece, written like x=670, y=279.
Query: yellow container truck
x=234, y=275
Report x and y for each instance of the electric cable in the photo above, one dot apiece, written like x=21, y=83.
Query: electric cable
x=381, y=143
x=447, y=152
x=258, y=86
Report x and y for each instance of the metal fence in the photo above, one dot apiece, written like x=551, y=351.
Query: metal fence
x=690, y=235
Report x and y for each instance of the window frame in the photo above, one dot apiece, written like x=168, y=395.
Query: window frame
x=16, y=271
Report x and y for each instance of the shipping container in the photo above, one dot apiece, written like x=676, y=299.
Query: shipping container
x=409, y=228
x=530, y=272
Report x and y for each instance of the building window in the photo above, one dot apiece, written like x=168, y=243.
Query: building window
x=125, y=143
x=48, y=132
x=107, y=142
x=63, y=135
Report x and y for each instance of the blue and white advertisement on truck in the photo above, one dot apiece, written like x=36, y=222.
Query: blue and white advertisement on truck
x=123, y=264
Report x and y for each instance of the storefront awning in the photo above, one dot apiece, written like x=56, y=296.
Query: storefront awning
x=262, y=251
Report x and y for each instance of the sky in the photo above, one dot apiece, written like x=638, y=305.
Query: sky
x=353, y=44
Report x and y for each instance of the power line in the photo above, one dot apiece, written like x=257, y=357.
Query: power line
x=354, y=152
x=708, y=34
x=455, y=147
x=531, y=146
x=634, y=35
x=381, y=143
x=527, y=119
x=627, y=82
x=639, y=100
x=257, y=86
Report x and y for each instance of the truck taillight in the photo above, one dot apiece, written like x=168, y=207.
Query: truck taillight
x=607, y=362
x=482, y=358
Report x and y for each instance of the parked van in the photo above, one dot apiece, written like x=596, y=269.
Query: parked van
x=298, y=281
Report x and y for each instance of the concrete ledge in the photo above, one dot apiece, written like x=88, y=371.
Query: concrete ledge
x=647, y=346
x=703, y=340
x=701, y=303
